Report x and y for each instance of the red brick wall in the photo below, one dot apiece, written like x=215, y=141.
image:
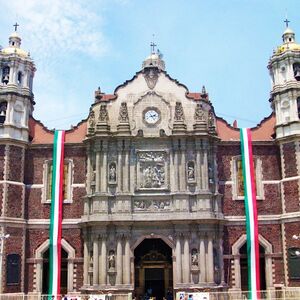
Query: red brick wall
x=14, y=202
x=2, y=161
x=291, y=195
x=15, y=168
x=289, y=157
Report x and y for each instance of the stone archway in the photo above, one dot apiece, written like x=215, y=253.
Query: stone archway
x=267, y=247
x=39, y=254
x=153, y=265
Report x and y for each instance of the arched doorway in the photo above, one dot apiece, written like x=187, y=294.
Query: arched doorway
x=244, y=267
x=64, y=272
x=153, y=269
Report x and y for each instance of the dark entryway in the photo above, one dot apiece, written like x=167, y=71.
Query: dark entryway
x=153, y=269
x=244, y=267
x=63, y=276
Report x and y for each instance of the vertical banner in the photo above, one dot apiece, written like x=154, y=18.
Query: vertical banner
x=251, y=214
x=56, y=215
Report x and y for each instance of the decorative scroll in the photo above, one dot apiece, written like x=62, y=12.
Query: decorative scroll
x=123, y=114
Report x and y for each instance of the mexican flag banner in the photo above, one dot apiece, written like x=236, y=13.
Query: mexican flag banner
x=56, y=215
x=251, y=214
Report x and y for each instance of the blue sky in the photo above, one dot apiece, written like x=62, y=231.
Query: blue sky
x=80, y=45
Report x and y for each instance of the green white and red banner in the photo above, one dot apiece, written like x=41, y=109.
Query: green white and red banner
x=56, y=215
x=251, y=214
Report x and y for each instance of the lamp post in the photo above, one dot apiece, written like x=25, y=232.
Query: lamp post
x=2, y=238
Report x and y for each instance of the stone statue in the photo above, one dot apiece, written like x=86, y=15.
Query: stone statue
x=199, y=113
x=111, y=260
x=92, y=119
x=194, y=257
x=191, y=171
x=211, y=119
x=112, y=172
x=103, y=115
x=123, y=114
x=179, y=116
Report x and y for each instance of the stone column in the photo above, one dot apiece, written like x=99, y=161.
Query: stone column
x=119, y=167
x=95, y=260
x=186, y=259
x=132, y=162
x=119, y=259
x=103, y=269
x=125, y=167
x=202, y=258
x=126, y=263
x=89, y=170
x=210, y=259
x=104, y=167
x=172, y=171
x=221, y=261
x=204, y=166
x=182, y=166
x=86, y=261
x=176, y=172
x=97, y=177
x=178, y=259
x=198, y=166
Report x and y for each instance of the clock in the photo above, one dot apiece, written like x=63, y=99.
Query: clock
x=151, y=116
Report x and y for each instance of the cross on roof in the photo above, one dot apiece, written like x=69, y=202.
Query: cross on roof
x=152, y=45
x=286, y=21
x=16, y=26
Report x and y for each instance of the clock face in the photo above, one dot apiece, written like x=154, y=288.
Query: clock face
x=151, y=116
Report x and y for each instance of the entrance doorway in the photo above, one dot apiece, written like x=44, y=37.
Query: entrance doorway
x=153, y=269
x=63, y=275
x=244, y=267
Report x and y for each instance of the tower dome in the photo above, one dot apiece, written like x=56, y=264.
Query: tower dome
x=289, y=42
x=14, y=45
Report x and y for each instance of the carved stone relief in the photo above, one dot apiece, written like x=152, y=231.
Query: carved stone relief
x=200, y=114
x=179, y=115
x=152, y=170
x=103, y=114
x=152, y=205
x=123, y=114
x=151, y=76
x=211, y=119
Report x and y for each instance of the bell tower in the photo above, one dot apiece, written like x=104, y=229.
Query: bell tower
x=284, y=67
x=16, y=97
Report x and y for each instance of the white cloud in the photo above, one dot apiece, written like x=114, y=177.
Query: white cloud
x=55, y=28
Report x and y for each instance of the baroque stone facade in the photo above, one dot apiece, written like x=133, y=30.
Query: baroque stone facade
x=153, y=196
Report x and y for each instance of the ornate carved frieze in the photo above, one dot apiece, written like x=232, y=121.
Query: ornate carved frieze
x=152, y=205
x=152, y=170
x=151, y=76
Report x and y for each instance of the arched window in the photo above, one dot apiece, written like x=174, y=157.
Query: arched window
x=13, y=269
x=296, y=68
x=5, y=75
x=3, y=107
x=20, y=78
x=294, y=262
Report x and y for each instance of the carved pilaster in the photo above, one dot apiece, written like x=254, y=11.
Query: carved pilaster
x=179, y=126
x=123, y=127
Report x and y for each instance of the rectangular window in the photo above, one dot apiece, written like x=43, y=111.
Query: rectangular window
x=294, y=262
x=67, y=169
x=13, y=269
x=238, y=190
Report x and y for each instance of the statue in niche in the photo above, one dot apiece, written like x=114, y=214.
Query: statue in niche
x=123, y=114
x=194, y=257
x=92, y=119
x=199, y=113
x=179, y=116
x=103, y=115
x=111, y=259
x=112, y=177
x=191, y=171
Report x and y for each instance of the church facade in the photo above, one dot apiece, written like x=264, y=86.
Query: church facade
x=153, y=188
